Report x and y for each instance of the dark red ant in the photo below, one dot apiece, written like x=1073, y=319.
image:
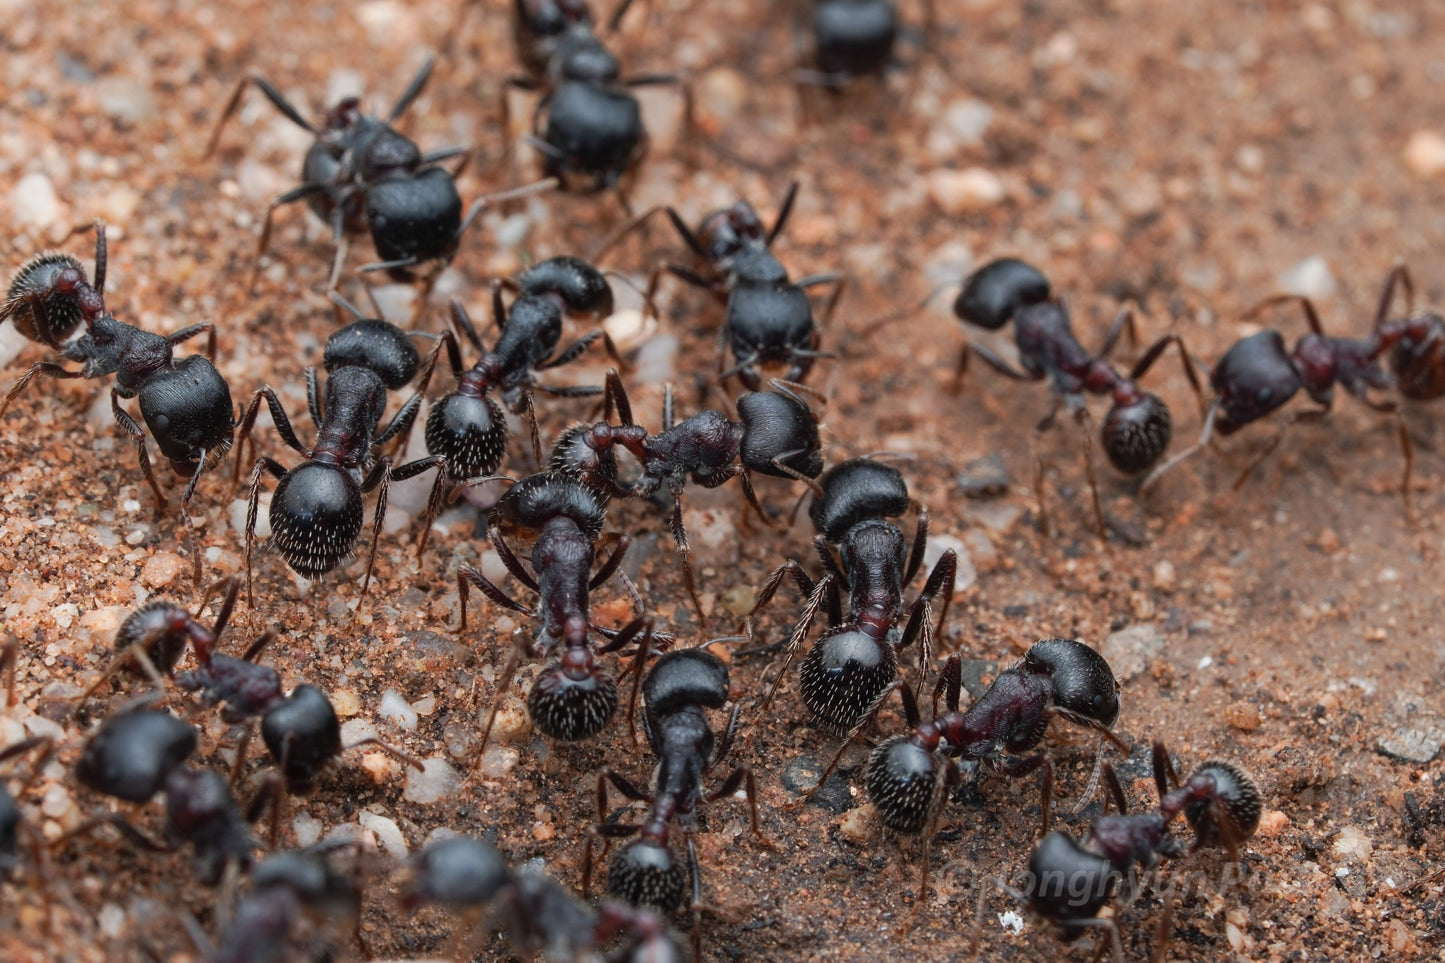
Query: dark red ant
x=645, y=872
x=1258, y=375
x=467, y=427
x=573, y=698
x=906, y=776
x=186, y=403
x=361, y=175
x=1070, y=881
x=776, y=434
x=593, y=132
x=1137, y=428
x=852, y=666
x=316, y=512
x=141, y=752
x=1417, y=358
x=466, y=874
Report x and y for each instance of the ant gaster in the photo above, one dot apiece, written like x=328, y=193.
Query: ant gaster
x=776, y=434
x=1258, y=374
x=1138, y=426
x=573, y=698
x=1417, y=358
x=467, y=427
x=852, y=666
x=1219, y=800
x=316, y=512
x=906, y=775
x=360, y=174
x=186, y=403
x=645, y=871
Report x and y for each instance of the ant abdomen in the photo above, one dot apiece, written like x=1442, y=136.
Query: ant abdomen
x=572, y=699
x=37, y=307
x=316, y=516
x=843, y=675
x=1068, y=883
x=1235, y=793
x=644, y=873
x=902, y=779
x=471, y=431
x=1136, y=435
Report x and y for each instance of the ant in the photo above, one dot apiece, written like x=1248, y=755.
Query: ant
x=573, y=698
x=645, y=871
x=851, y=668
x=361, y=175
x=776, y=434
x=1137, y=427
x=316, y=512
x=906, y=775
x=467, y=427
x=463, y=873
x=284, y=886
x=141, y=752
x=768, y=318
x=186, y=403
x=1417, y=357
x=593, y=132
x=1219, y=800
x=11, y=817
x=1258, y=375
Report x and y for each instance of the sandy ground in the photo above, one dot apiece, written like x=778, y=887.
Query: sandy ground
x=1192, y=163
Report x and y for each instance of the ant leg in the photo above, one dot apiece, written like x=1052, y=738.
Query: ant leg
x=684, y=556
x=281, y=200
x=509, y=671
x=1152, y=479
x=1044, y=425
x=466, y=574
x=800, y=632
x=765, y=595
x=855, y=732
x=272, y=94
x=9, y=660
x=1018, y=768
x=253, y=502
x=390, y=750
x=513, y=564
x=381, y=478
x=1085, y=421
x=1313, y=414
x=572, y=353
x=48, y=368
x=610, y=566
x=743, y=776
x=128, y=423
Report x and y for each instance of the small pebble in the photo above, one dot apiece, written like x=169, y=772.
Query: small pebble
x=1129, y=651
x=1310, y=278
x=307, y=828
x=161, y=569
x=965, y=191
x=859, y=826
x=346, y=702
x=436, y=781
x=1425, y=153
x=966, y=575
x=33, y=201
x=396, y=709
x=1244, y=716
x=801, y=775
x=985, y=477
x=499, y=760
x=1413, y=733
x=358, y=730
x=387, y=833
x=125, y=99
x=1164, y=575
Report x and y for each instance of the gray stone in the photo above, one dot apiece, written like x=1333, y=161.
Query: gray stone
x=985, y=477
x=801, y=775
x=1412, y=731
x=1128, y=651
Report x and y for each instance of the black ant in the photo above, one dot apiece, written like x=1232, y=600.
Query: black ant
x=776, y=434
x=141, y=752
x=1138, y=426
x=467, y=427
x=1258, y=374
x=361, y=175
x=769, y=319
x=593, y=132
x=316, y=512
x=906, y=775
x=853, y=665
x=573, y=698
x=11, y=818
x=645, y=871
x=1070, y=881
x=186, y=403
x=466, y=874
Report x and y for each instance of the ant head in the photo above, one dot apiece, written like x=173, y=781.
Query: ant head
x=1066, y=882
x=845, y=672
x=687, y=677
x=572, y=698
x=780, y=436
x=547, y=18
x=537, y=499
x=345, y=115
x=1136, y=431
x=375, y=344
x=133, y=753
x=991, y=294
x=460, y=871
x=581, y=288
x=583, y=58
x=645, y=873
x=316, y=517
x=1083, y=683
x=905, y=782
x=854, y=491
x=302, y=735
